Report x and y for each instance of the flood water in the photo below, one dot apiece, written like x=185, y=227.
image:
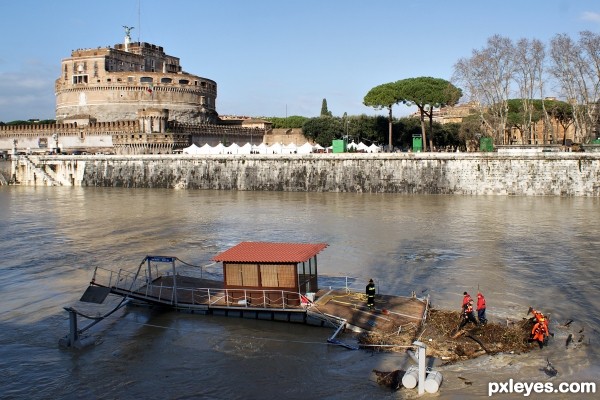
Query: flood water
x=520, y=251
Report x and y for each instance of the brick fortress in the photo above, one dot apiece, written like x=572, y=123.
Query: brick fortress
x=132, y=98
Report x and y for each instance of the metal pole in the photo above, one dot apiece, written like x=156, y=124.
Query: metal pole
x=421, y=358
x=174, y=282
x=73, y=334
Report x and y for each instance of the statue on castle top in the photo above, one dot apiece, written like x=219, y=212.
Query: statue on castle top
x=128, y=30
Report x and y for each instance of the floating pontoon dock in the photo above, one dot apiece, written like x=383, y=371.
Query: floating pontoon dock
x=267, y=281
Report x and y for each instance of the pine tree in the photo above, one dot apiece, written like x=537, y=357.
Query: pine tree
x=324, y=111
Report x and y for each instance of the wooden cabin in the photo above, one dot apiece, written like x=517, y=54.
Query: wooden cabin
x=277, y=271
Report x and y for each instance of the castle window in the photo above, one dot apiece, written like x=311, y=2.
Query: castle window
x=184, y=82
x=77, y=79
x=166, y=80
x=146, y=79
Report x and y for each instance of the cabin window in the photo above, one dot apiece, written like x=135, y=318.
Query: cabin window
x=241, y=274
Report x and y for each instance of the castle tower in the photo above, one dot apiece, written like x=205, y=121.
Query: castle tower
x=112, y=83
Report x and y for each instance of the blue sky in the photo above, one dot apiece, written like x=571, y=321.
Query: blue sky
x=273, y=57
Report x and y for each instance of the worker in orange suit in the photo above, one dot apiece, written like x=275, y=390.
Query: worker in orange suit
x=539, y=334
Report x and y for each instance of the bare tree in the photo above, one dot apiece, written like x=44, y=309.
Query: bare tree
x=576, y=67
x=487, y=78
x=528, y=60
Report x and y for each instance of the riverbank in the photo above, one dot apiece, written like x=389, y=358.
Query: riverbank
x=527, y=174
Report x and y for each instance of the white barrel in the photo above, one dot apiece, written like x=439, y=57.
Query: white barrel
x=411, y=377
x=433, y=382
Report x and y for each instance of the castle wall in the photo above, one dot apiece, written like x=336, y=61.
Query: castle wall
x=149, y=134
x=119, y=102
x=542, y=174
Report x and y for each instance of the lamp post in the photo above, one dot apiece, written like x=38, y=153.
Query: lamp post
x=55, y=138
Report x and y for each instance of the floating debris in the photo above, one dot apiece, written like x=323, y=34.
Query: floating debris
x=568, y=322
x=392, y=379
x=549, y=369
x=569, y=340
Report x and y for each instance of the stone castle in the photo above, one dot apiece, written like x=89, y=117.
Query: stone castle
x=132, y=98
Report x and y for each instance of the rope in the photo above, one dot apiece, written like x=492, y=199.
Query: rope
x=71, y=309
x=192, y=265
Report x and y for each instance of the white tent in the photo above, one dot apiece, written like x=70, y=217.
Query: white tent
x=260, y=149
x=289, y=149
x=193, y=149
x=275, y=148
x=317, y=147
x=374, y=148
x=232, y=149
x=218, y=149
x=352, y=145
x=245, y=149
x=306, y=148
x=362, y=147
x=205, y=149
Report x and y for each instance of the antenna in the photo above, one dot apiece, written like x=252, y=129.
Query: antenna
x=139, y=19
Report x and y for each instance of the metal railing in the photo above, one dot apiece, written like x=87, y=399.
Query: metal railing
x=123, y=282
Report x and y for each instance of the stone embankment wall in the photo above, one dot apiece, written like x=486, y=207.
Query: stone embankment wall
x=542, y=174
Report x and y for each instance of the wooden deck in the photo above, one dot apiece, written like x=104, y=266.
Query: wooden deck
x=390, y=313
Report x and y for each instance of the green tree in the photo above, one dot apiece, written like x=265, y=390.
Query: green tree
x=521, y=119
x=293, y=121
x=470, y=128
x=384, y=96
x=323, y=130
x=427, y=93
x=324, y=111
x=561, y=112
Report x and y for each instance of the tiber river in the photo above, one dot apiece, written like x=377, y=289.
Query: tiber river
x=520, y=251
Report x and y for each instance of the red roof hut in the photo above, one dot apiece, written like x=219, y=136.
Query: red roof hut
x=274, y=267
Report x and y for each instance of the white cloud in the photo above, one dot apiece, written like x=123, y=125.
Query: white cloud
x=25, y=95
x=591, y=16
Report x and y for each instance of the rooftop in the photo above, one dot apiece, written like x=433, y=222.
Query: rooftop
x=269, y=252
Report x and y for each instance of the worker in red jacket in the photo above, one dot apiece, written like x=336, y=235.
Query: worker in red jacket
x=481, y=308
x=466, y=298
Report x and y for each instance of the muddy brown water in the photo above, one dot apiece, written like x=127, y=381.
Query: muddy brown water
x=519, y=251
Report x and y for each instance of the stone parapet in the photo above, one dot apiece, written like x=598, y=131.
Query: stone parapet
x=542, y=174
